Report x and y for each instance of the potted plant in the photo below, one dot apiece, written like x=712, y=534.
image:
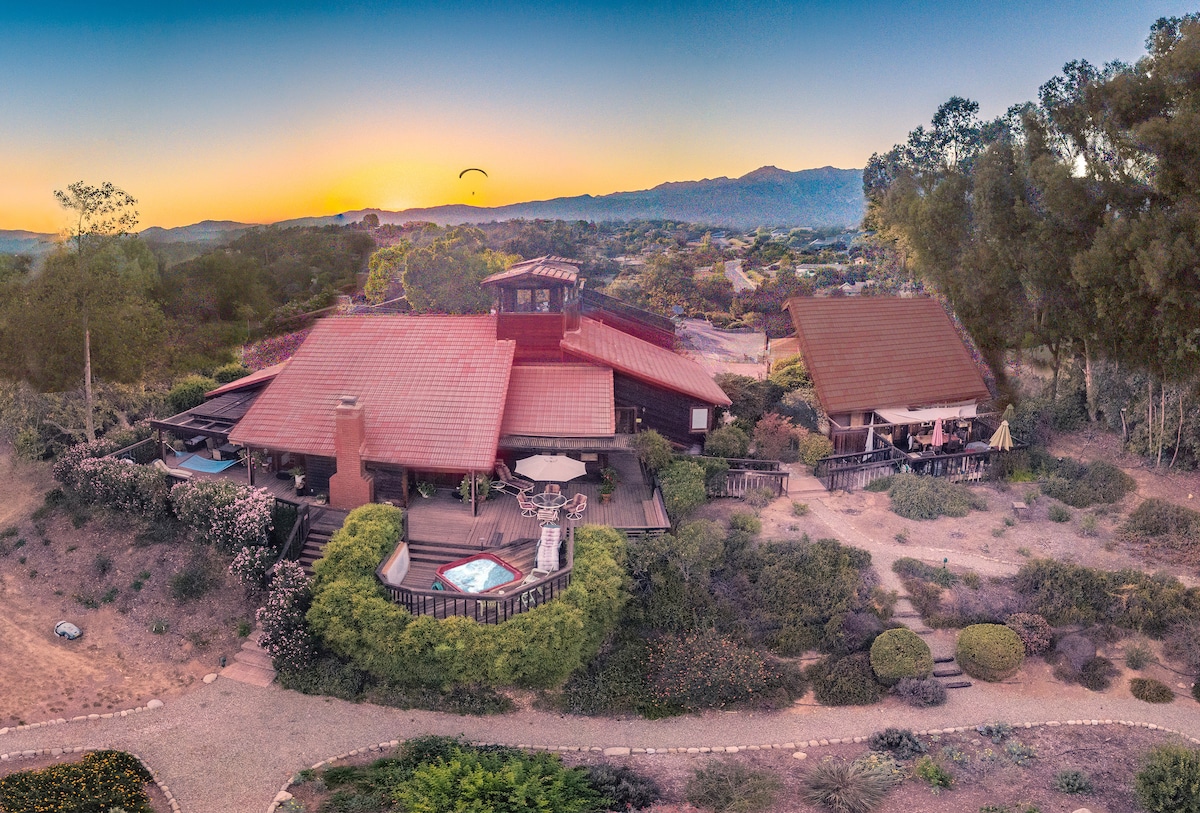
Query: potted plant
x=608, y=483
x=298, y=475
x=426, y=489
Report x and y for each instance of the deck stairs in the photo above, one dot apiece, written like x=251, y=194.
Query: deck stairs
x=323, y=523
x=251, y=664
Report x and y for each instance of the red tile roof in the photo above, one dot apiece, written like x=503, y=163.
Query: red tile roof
x=551, y=268
x=639, y=359
x=432, y=388
x=870, y=352
x=256, y=378
x=559, y=400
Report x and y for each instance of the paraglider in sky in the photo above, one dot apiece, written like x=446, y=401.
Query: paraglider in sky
x=472, y=169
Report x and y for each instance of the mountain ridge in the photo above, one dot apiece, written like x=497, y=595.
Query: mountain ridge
x=768, y=196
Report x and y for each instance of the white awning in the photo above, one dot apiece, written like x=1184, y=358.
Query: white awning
x=903, y=415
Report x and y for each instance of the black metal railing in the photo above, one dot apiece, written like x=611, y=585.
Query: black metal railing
x=295, y=542
x=142, y=452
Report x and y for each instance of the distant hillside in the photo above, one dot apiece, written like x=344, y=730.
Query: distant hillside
x=26, y=242
x=765, y=197
x=768, y=196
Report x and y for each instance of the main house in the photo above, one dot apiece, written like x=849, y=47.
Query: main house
x=371, y=405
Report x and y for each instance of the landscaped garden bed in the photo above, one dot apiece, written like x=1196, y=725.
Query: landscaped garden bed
x=92, y=782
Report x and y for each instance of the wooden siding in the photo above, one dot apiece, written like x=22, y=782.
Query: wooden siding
x=537, y=334
x=665, y=411
x=318, y=470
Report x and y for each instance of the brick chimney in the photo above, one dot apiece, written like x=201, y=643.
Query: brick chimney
x=351, y=486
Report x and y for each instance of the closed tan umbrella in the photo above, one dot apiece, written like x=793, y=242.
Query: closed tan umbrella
x=1002, y=439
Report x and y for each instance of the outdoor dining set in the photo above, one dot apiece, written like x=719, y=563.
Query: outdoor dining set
x=546, y=505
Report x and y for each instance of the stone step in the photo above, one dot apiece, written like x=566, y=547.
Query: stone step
x=245, y=673
x=944, y=659
x=954, y=672
x=251, y=643
x=907, y=614
x=254, y=657
x=957, y=684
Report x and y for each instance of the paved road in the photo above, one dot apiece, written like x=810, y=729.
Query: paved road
x=735, y=274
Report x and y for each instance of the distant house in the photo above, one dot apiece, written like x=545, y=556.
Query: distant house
x=369, y=405
x=895, y=363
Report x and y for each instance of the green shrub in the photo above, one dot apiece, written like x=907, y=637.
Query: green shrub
x=1169, y=781
x=1151, y=690
x=812, y=446
x=1171, y=526
x=193, y=581
x=623, y=787
x=901, y=742
x=1073, y=781
x=230, y=373
x=1137, y=655
x=900, y=653
x=189, y=393
x=997, y=732
x=1056, y=513
x=799, y=509
x=790, y=373
x=731, y=787
x=917, y=497
x=910, y=568
x=847, y=787
x=653, y=450
x=1097, y=674
x=848, y=681
x=937, y=776
x=920, y=692
x=727, y=441
x=704, y=670
x=1033, y=630
x=1080, y=485
x=354, y=618
x=989, y=652
x=101, y=780
x=683, y=488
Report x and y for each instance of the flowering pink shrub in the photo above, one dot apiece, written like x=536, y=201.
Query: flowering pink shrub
x=122, y=485
x=286, y=637
x=226, y=515
x=273, y=350
x=251, y=564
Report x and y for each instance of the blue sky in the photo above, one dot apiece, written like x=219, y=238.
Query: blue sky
x=259, y=112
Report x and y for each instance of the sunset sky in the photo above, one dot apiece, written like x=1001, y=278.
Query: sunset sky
x=263, y=111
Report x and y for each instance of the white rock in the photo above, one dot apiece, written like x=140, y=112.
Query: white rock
x=799, y=755
x=282, y=797
x=210, y=677
x=618, y=751
x=154, y=704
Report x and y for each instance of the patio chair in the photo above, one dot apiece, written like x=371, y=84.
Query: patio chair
x=506, y=481
x=553, y=488
x=547, y=516
x=528, y=509
x=576, y=506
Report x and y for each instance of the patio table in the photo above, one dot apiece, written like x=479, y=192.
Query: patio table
x=545, y=500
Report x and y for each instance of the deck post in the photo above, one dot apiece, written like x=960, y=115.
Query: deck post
x=404, y=487
x=250, y=465
x=474, y=497
x=162, y=452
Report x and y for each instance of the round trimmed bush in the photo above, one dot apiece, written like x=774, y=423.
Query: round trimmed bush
x=1150, y=690
x=848, y=681
x=989, y=652
x=1033, y=630
x=900, y=653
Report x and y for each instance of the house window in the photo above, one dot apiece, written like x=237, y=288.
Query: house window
x=701, y=418
x=541, y=299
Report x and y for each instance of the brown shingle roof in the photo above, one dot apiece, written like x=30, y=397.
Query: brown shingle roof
x=639, y=359
x=557, y=269
x=432, y=388
x=870, y=352
x=255, y=379
x=559, y=400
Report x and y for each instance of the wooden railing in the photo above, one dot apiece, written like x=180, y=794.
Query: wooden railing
x=295, y=541
x=748, y=464
x=739, y=482
x=487, y=608
x=850, y=471
x=142, y=452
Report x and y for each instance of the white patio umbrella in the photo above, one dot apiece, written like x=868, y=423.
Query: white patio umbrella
x=870, y=445
x=553, y=468
x=1002, y=439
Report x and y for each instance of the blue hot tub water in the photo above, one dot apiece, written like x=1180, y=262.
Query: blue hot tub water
x=479, y=575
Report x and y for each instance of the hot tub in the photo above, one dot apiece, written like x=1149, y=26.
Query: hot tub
x=478, y=574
